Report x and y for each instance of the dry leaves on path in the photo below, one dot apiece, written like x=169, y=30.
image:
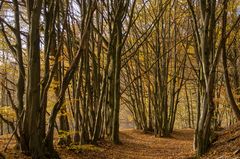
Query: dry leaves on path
x=135, y=145
x=138, y=145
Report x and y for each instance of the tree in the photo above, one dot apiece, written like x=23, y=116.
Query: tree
x=230, y=96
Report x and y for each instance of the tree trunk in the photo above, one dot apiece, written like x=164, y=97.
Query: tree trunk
x=230, y=96
x=32, y=139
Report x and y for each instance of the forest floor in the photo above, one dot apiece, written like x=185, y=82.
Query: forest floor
x=135, y=145
x=226, y=144
x=139, y=145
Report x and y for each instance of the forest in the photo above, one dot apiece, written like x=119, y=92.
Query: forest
x=143, y=79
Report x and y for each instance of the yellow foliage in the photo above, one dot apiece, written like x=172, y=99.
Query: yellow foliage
x=7, y=112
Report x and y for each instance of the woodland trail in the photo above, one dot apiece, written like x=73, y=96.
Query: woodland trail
x=135, y=145
x=138, y=145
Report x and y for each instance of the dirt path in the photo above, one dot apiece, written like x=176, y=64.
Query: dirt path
x=137, y=145
x=145, y=146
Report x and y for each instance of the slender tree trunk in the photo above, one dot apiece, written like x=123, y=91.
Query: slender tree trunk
x=230, y=96
x=31, y=132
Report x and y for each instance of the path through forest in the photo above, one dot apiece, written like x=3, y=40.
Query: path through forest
x=138, y=145
x=135, y=145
